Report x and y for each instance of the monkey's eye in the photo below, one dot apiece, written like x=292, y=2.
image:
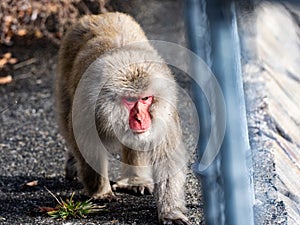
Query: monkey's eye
x=145, y=98
x=131, y=99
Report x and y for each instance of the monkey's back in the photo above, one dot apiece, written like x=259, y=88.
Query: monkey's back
x=89, y=38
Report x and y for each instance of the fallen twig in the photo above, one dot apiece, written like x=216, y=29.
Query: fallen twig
x=25, y=63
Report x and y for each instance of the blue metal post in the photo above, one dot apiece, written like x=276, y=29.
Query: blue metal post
x=235, y=185
x=211, y=182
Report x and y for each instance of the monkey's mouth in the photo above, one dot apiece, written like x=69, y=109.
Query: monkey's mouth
x=139, y=125
x=139, y=131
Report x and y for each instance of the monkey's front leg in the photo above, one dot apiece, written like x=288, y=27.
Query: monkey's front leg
x=96, y=185
x=136, y=173
x=169, y=175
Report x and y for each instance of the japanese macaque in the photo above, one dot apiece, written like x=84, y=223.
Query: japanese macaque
x=133, y=95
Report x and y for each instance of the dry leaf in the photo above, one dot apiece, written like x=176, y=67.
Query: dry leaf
x=22, y=32
x=32, y=183
x=13, y=60
x=38, y=33
x=53, y=7
x=29, y=184
x=7, y=55
x=21, y=14
x=47, y=209
x=3, y=61
x=8, y=20
x=5, y=80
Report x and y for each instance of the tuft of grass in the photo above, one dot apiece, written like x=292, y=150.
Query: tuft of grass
x=72, y=209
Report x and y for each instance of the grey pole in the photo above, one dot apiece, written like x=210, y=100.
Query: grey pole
x=226, y=184
x=199, y=42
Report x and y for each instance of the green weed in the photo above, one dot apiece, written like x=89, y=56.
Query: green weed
x=71, y=209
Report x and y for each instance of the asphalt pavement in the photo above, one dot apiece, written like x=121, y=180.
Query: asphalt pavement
x=31, y=148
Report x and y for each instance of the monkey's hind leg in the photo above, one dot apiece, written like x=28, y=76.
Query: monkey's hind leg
x=136, y=173
x=70, y=166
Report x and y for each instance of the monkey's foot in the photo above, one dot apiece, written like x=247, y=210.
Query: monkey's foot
x=135, y=186
x=110, y=196
x=175, y=219
x=176, y=222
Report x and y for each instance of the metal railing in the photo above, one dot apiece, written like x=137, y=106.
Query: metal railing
x=226, y=183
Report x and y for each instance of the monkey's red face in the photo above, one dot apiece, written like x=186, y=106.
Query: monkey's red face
x=139, y=116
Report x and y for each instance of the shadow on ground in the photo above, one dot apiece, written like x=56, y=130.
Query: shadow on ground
x=23, y=203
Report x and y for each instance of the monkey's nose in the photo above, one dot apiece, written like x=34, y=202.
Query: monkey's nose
x=138, y=118
x=138, y=107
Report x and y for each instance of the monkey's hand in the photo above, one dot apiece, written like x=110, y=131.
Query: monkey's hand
x=135, y=186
